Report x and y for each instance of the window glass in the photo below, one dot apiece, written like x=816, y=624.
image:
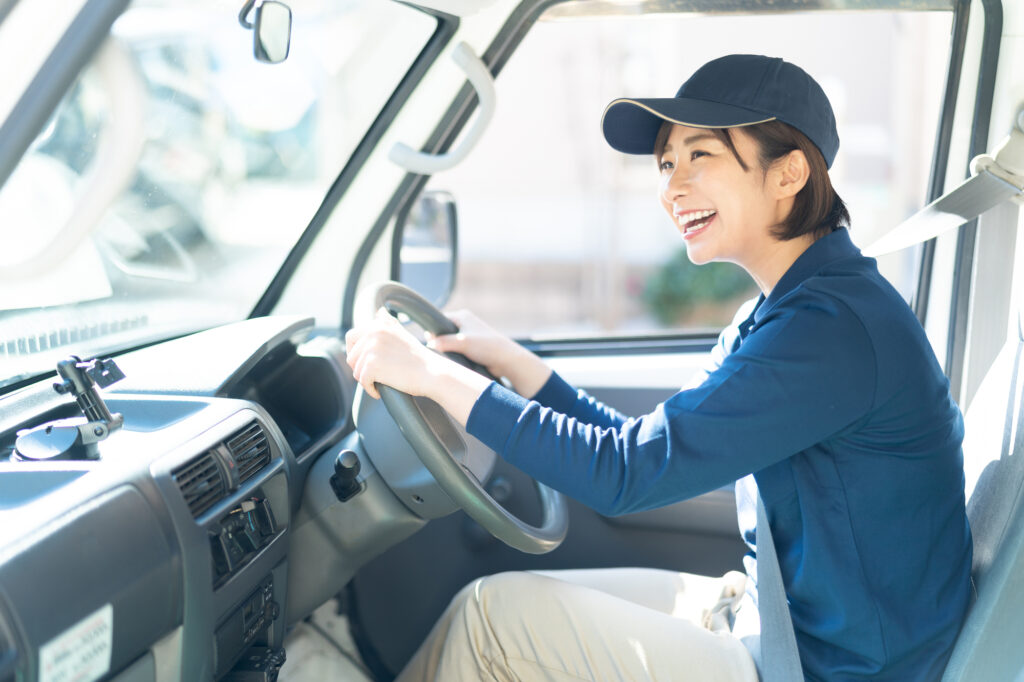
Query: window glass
x=178, y=172
x=561, y=235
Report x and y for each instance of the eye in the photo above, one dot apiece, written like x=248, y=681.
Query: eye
x=697, y=153
x=666, y=165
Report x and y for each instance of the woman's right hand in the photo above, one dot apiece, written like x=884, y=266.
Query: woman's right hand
x=502, y=356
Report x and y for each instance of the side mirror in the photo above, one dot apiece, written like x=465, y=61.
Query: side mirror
x=272, y=29
x=425, y=246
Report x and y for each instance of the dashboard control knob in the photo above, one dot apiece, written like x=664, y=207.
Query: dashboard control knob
x=345, y=481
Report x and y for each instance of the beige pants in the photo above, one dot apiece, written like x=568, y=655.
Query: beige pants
x=606, y=624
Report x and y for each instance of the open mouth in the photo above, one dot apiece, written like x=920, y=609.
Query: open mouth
x=693, y=221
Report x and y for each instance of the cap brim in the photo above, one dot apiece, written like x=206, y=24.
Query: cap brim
x=630, y=125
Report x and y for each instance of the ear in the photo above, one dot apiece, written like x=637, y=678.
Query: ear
x=791, y=174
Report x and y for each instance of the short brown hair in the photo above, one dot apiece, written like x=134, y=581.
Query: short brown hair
x=817, y=208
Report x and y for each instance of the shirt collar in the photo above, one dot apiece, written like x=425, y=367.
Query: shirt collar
x=828, y=249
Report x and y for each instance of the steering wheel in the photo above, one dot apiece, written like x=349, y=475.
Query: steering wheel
x=461, y=485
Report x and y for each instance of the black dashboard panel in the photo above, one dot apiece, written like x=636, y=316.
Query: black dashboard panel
x=176, y=538
x=302, y=390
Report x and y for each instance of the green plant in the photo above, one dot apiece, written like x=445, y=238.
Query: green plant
x=678, y=286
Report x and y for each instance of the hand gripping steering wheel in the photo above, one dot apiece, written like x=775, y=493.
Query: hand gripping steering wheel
x=461, y=485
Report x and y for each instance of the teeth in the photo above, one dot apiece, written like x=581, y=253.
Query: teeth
x=684, y=218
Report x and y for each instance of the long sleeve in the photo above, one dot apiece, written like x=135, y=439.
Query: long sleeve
x=563, y=398
x=781, y=392
x=560, y=396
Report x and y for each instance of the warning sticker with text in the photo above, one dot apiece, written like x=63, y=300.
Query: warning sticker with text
x=82, y=652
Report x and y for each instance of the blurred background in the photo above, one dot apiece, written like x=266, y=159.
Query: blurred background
x=561, y=235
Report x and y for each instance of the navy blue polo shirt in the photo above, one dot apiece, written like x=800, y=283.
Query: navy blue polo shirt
x=828, y=395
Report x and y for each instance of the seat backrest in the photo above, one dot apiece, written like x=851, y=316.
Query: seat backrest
x=991, y=644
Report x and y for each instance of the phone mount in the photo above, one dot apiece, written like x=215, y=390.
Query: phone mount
x=74, y=438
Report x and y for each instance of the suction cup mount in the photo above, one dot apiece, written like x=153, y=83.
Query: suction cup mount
x=75, y=438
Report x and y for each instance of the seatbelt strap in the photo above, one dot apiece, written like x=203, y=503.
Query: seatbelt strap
x=968, y=201
x=780, y=659
x=996, y=179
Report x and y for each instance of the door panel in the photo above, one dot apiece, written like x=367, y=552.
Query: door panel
x=634, y=385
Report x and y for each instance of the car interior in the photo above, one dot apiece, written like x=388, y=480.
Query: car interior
x=198, y=200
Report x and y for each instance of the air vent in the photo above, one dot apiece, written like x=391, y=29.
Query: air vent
x=250, y=450
x=201, y=483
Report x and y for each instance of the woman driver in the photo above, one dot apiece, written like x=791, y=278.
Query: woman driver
x=824, y=397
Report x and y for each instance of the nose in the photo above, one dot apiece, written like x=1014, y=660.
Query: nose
x=675, y=183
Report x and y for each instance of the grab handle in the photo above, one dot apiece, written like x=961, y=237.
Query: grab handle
x=480, y=78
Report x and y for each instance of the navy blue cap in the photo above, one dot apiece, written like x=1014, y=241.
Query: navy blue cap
x=728, y=92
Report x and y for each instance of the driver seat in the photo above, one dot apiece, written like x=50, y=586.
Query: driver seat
x=989, y=647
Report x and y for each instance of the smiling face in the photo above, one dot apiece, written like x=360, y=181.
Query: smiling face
x=723, y=211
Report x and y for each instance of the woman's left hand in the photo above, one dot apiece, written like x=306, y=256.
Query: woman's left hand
x=384, y=352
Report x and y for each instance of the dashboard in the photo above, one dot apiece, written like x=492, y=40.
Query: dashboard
x=200, y=529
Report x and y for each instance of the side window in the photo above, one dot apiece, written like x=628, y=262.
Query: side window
x=561, y=235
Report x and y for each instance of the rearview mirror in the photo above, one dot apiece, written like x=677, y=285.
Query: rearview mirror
x=271, y=27
x=273, y=32
x=425, y=246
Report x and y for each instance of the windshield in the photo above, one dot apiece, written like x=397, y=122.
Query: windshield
x=177, y=173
